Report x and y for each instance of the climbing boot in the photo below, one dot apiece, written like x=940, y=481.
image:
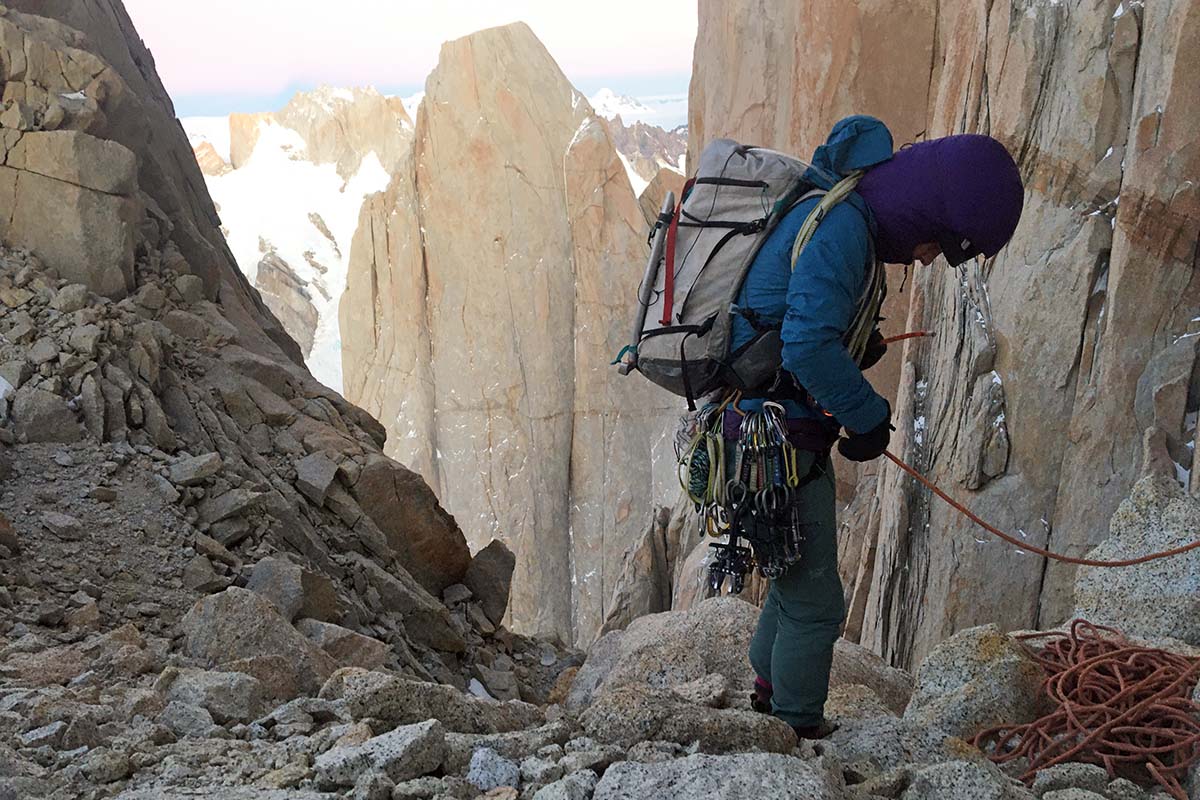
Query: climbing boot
x=760, y=698
x=819, y=731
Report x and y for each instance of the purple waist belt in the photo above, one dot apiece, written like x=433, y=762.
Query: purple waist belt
x=805, y=434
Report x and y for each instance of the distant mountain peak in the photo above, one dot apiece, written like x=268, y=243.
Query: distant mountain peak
x=609, y=105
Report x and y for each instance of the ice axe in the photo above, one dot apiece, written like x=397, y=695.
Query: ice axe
x=626, y=360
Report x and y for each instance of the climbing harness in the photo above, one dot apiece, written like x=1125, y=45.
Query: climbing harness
x=758, y=503
x=743, y=479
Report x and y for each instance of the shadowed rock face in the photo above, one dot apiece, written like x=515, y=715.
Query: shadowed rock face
x=287, y=295
x=489, y=288
x=648, y=148
x=191, y=368
x=124, y=102
x=1024, y=405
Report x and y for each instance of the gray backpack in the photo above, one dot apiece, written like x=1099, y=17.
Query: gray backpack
x=701, y=251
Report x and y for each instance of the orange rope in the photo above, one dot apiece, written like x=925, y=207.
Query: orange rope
x=903, y=336
x=1125, y=707
x=1087, y=562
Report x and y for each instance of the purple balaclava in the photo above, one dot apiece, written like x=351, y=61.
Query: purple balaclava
x=963, y=192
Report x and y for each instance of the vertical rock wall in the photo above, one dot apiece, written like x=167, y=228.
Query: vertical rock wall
x=496, y=120
x=488, y=290
x=385, y=334
x=1055, y=360
x=620, y=424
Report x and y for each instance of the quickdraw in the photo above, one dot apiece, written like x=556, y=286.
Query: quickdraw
x=757, y=503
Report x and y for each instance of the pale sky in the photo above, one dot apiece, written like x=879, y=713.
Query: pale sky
x=217, y=56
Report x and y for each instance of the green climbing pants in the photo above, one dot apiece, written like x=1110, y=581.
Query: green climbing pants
x=792, y=648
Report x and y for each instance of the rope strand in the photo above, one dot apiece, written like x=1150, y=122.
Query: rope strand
x=1086, y=562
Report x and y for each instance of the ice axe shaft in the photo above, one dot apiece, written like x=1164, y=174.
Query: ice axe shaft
x=646, y=290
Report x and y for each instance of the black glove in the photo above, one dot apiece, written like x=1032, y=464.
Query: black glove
x=870, y=445
x=875, y=350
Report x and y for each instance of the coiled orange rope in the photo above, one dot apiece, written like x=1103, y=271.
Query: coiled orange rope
x=1125, y=707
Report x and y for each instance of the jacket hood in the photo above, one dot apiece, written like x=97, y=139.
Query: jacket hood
x=964, y=192
x=857, y=142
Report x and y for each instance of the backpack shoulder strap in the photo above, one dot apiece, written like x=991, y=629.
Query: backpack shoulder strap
x=837, y=194
x=876, y=288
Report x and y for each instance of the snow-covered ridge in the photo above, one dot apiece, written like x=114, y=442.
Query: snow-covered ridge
x=610, y=105
x=667, y=111
x=280, y=206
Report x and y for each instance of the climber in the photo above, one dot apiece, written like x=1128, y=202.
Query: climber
x=959, y=197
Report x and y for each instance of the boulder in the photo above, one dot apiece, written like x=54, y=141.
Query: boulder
x=42, y=416
x=193, y=471
x=881, y=744
x=107, y=766
x=665, y=650
x=668, y=650
x=855, y=702
x=227, y=696
x=348, y=648
x=400, y=701
x=513, y=745
x=489, y=770
x=70, y=298
x=630, y=714
x=576, y=786
x=744, y=777
x=233, y=503
x=425, y=538
x=964, y=780
x=489, y=577
x=855, y=665
x=1072, y=775
x=406, y=752
x=540, y=771
x=315, y=474
x=976, y=679
x=188, y=721
x=295, y=591
x=64, y=526
x=1158, y=599
x=45, y=736
x=239, y=624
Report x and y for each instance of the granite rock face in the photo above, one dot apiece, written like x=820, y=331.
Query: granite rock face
x=497, y=388
x=1159, y=598
x=976, y=679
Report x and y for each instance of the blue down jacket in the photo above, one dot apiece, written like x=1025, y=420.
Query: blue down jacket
x=817, y=302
